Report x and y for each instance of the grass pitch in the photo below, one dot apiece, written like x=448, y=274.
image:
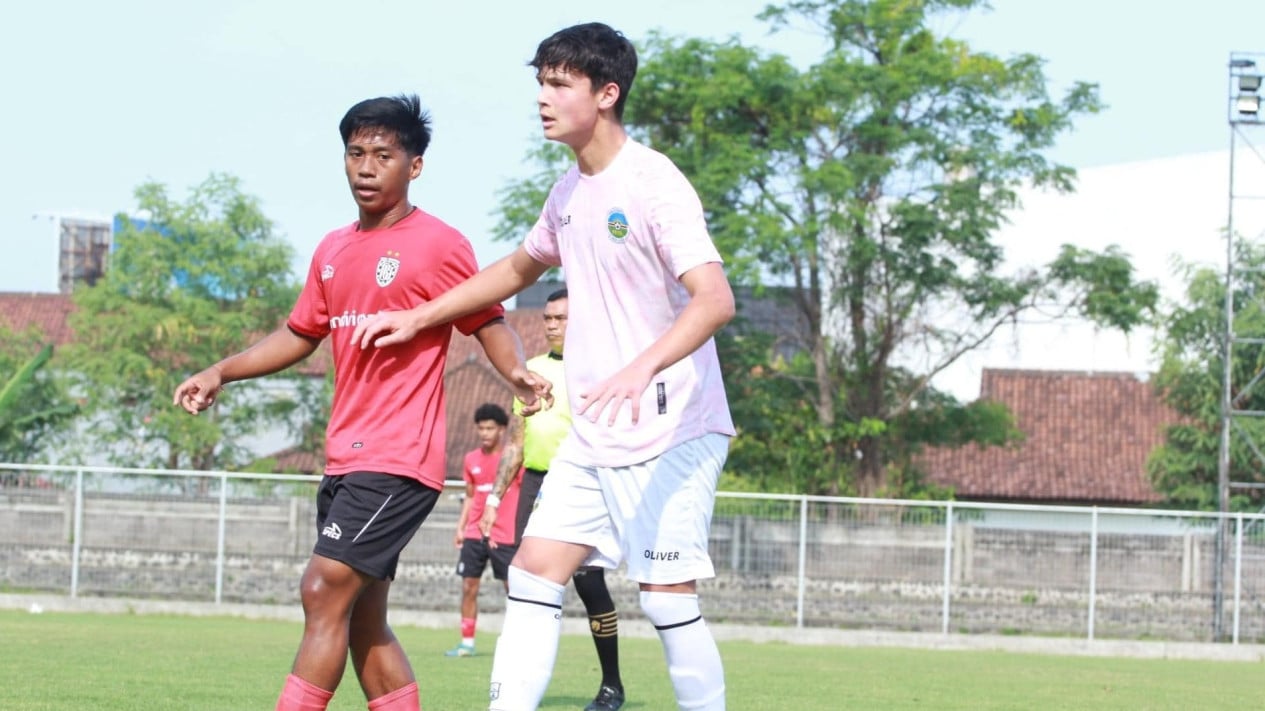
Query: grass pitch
x=56, y=661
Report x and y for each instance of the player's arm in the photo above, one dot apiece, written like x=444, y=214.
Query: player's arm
x=710, y=307
x=465, y=513
x=511, y=464
x=278, y=350
x=504, y=348
x=499, y=281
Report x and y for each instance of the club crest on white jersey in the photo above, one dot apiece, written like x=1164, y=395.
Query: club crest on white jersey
x=388, y=267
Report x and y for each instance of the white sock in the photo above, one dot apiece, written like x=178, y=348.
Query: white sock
x=528, y=645
x=698, y=677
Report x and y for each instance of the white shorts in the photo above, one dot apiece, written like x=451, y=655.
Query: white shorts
x=656, y=515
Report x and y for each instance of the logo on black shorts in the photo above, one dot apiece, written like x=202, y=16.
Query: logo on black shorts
x=333, y=531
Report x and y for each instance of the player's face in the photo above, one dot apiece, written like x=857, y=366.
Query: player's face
x=556, y=324
x=569, y=105
x=379, y=170
x=489, y=434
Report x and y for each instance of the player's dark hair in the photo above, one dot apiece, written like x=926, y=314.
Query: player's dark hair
x=559, y=294
x=401, y=115
x=490, y=411
x=597, y=51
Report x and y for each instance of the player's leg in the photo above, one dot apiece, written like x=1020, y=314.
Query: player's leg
x=664, y=508
x=371, y=519
x=501, y=557
x=474, y=558
x=561, y=535
x=381, y=665
x=590, y=585
x=329, y=589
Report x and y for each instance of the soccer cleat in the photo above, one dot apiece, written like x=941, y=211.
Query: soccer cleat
x=608, y=699
x=461, y=650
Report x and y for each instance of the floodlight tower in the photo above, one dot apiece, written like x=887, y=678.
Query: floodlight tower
x=1244, y=110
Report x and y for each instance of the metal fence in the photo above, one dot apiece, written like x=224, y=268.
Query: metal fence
x=808, y=561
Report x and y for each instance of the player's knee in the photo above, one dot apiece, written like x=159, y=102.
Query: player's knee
x=665, y=610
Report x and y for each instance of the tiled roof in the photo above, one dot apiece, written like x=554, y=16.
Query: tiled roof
x=293, y=460
x=1088, y=436
x=47, y=312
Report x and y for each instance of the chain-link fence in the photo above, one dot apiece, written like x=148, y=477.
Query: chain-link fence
x=949, y=567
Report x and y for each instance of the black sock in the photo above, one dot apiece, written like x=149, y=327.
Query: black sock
x=590, y=584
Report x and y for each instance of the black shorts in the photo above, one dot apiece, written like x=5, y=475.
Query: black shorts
x=475, y=554
x=365, y=519
x=529, y=489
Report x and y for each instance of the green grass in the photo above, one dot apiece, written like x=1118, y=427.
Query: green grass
x=143, y=662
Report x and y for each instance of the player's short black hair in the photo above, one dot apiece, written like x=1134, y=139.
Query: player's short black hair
x=597, y=51
x=491, y=411
x=402, y=115
x=559, y=294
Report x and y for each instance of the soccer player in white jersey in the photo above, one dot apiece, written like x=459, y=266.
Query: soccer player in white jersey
x=635, y=480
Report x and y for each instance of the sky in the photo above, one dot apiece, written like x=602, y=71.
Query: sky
x=102, y=97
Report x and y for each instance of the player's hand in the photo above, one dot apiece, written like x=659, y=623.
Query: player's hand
x=458, y=539
x=387, y=328
x=199, y=391
x=488, y=520
x=610, y=395
x=533, y=390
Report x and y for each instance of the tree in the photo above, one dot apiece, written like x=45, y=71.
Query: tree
x=196, y=281
x=34, y=404
x=870, y=187
x=1190, y=380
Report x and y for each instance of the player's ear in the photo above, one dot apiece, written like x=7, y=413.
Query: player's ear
x=607, y=96
x=415, y=169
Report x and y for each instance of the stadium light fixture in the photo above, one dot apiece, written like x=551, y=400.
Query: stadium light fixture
x=1245, y=90
x=1248, y=104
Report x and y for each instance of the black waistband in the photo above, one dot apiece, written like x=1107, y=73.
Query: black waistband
x=537, y=472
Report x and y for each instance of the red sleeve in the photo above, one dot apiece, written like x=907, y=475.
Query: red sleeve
x=455, y=267
x=310, y=315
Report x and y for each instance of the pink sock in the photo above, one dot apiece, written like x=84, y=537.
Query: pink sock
x=301, y=695
x=467, y=628
x=404, y=698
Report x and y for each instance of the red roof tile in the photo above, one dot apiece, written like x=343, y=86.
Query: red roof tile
x=47, y=312
x=1088, y=436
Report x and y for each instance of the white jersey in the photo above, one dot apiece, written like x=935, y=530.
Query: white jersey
x=623, y=238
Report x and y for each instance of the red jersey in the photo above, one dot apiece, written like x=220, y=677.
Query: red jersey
x=480, y=473
x=388, y=409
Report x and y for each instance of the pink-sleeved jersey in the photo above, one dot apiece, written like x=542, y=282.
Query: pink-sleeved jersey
x=388, y=410
x=623, y=238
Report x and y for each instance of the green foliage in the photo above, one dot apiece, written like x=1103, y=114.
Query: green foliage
x=199, y=280
x=871, y=185
x=1190, y=380
x=34, y=404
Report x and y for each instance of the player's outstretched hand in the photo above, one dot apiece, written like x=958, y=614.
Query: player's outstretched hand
x=199, y=391
x=387, y=328
x=610, y=395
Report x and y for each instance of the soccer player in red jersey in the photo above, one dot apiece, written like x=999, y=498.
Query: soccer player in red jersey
x=498, y=544
x=386, y=433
